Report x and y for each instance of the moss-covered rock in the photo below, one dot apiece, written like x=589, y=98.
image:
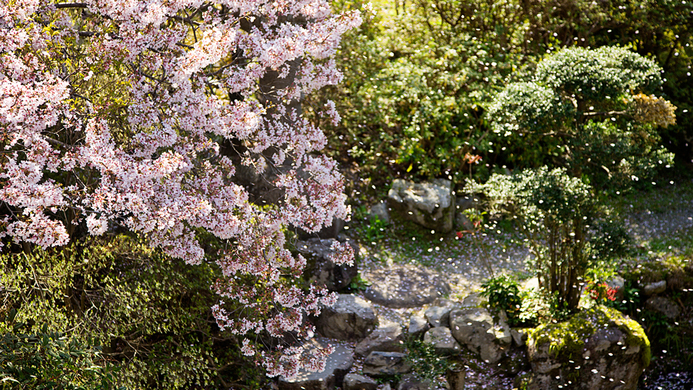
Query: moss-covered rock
x=597, y=349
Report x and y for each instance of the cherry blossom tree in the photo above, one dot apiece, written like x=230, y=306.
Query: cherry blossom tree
x=128, y=113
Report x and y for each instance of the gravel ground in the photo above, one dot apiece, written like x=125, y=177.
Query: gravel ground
x=465, y=261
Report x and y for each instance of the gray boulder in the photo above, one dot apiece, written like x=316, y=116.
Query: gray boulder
x=439, y=313
x=380, y=211
x=387, y=338
x=655, y=288
x=337, y=365
x=519, y=337
x=379, y=363
x=463, y=203
x=411, y=382
x=475, y=329
x=404, y=285
x=320, y=270
x=664, y=306
x=598, y=349
x=429, y=204
x=473, y=300
x=358, y=382
x=351, y=318
x=442, y=341
x=418, y=325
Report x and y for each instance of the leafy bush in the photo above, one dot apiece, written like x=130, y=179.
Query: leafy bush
x=149, y=313
x=417, y=81
x=592, y=113
x=49, y=360
x=503, y=292
x=554, y=212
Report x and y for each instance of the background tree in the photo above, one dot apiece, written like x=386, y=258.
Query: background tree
x=124, y=115
x=420, y=78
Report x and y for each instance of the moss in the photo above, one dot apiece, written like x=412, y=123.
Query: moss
x=568, y=338
x=635, y=334
x=565, y=338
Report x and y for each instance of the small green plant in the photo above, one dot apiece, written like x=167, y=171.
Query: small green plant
x=503, y=292
x=375, y=230
x=358, y=283
x=426, y=363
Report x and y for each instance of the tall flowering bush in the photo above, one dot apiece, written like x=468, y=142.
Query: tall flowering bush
x=138, y=115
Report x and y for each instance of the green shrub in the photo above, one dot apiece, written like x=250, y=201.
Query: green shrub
x=49, y=360
x=416, y=84
x=503, y=292
x=554, y=212
x=150, y=314
x=590, y=111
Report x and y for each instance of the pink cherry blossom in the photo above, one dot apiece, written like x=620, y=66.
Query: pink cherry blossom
x=131, y=113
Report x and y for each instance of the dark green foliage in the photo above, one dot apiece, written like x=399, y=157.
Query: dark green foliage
x=660, y=30
x=420, y=78
x=426, y=363
x=591, y=75
x=49, y=360
x=586, y=109
x=503, y=292
x=413, y=97
x=149, y=313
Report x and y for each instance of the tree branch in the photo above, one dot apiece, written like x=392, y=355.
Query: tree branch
x=70, y=5
x=604, y=113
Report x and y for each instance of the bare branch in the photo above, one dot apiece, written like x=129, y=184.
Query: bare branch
x=70, y=5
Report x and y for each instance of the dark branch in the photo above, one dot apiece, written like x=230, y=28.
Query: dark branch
x=604, y=113
x=70, y=5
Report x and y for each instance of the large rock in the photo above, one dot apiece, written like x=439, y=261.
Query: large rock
x=337, y=365
x=429, y=204
x=463, y=203
x=387, y=338
x=351, y=318
x=404, y=286
x=475, y=329
x=386, y=363
x=442, y=341
x=359, y=382
x=598, y=349
x=320, y=270
x=381, y=212
x=418, y=325
x=411, y=382
x=664, y=306
x=655, y=288
x=439, y=313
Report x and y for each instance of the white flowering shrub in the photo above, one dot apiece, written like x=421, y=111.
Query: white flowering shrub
x=119, y=113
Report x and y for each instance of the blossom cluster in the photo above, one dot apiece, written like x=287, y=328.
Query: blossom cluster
x=121, y=112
